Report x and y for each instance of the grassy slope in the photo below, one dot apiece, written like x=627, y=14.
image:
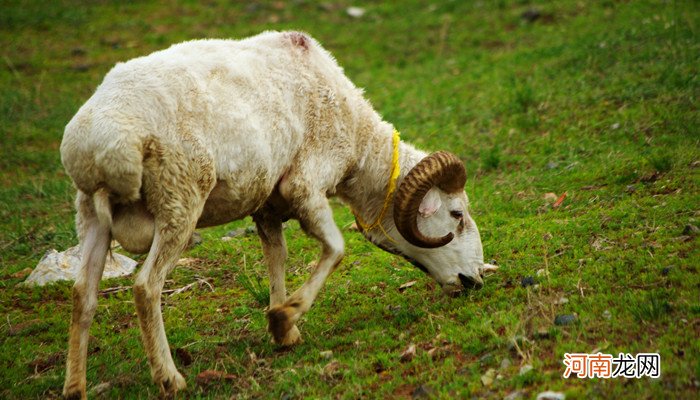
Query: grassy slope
x=596, y=100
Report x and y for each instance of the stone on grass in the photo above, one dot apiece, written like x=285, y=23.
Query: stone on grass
x=195, y=240
x=506, y=363
x=549, y=395
x=564, y=319
x=355, y=12
x=326, y=355
x=55, y=266
x=100, y=389
x=488, y=377
x=250, y=230
x=527, y=281
x=607, y=314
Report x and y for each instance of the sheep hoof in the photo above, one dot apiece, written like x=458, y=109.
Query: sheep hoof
x=74, y=394
x=284, y=332
x=169, y=386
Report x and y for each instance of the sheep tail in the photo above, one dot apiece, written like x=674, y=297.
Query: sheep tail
x=103, y=209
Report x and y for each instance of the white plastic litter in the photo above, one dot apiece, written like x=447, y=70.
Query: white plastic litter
x=55, y=266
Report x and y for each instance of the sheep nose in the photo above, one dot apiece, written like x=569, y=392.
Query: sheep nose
x=471, y=282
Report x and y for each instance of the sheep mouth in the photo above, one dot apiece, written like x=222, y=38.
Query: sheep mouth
x=470, y=283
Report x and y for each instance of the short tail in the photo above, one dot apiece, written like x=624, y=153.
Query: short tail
x=102, y=207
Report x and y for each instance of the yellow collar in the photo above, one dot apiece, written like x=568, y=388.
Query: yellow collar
x=395, y=170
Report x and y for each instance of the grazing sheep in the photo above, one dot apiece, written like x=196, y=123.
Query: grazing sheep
x=211, y=131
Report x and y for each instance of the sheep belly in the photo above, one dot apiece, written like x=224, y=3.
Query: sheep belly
x=228, y=202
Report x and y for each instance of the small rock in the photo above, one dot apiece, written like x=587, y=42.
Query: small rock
x=409, y=353
x=615, y=126
x=326, y=355
x=531, y=15
x=564, y=319
x=525, y=369
x=630, y=189
x=100, y=389
x=549, y=395
x=422, y=392
x=488, y=377
x=666, y=270
x=506, y=363
x=561, y=300
x=195, y=240
x=55, y=266
x=242, y=232
x=527, y=281
x=552, y=165
x=542, y=272
x=517, y=395
x=607, y=315
x=355, y=12
x=226, y=239
x=691, y=229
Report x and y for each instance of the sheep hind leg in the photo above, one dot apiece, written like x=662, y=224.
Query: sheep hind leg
x=318, y=222
x=94, y=241
x=174, y=223
x=275, y=252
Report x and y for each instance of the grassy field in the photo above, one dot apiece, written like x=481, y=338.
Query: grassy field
x=598, y=100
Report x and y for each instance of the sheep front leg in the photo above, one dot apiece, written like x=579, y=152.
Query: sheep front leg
x=317, y=220
x=94, y=246
x=275, y=252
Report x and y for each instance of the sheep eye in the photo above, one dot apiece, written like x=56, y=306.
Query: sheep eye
x=457, y=214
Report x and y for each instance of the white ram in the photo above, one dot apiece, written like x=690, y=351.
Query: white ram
x=210, y=131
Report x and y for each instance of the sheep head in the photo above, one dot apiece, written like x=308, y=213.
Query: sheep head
x=437, y=233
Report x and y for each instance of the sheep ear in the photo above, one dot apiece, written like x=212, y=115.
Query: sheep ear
x=430, y=204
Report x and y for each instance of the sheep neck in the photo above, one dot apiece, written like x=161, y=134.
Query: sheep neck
x=366, y=187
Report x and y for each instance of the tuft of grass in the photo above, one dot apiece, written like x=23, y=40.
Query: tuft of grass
x=652, y=307
x=254, y=285
x=491, y=159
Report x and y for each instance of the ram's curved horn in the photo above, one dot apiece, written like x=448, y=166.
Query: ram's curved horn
x=441, y=169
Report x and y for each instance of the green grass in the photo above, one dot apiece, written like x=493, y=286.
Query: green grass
x=595, y=99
